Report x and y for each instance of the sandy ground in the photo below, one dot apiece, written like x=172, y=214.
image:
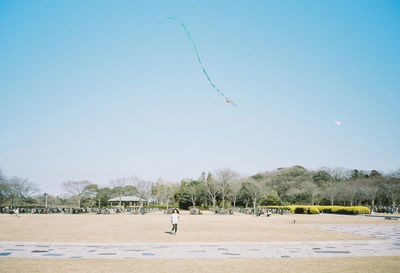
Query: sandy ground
x=292, y=265
x=153, y=228
x=206, y=228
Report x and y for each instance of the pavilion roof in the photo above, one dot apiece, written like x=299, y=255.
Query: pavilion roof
x=132, y=198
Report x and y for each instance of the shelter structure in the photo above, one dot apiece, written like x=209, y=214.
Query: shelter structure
x=132, y=200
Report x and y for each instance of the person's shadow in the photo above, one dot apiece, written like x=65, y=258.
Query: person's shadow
x=169, y=232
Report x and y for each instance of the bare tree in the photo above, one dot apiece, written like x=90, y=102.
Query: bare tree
x=392, y=190
x=143, y=187
x=370, y=190
x=312, y=189
x=348, y=191
x=339, y=174
x=25, y=188
x=19, y=189
x=164, y=192
x=253, y=188
x=212, y=189
x=75, y=189
x=6, y=191
x=235, y=192
x=331, y=190
x=158, y=190
x=170, y=190
x=117, y=186
x=225, y=177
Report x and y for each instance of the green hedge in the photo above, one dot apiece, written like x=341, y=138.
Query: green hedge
x=200, y=207
x=300, y=209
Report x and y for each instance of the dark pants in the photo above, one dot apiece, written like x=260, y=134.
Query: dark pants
x=175, y=227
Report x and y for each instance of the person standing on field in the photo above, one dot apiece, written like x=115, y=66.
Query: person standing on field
x=175, y=220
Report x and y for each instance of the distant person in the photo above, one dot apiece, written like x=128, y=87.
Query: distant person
x=16, y=211
x=174, y=220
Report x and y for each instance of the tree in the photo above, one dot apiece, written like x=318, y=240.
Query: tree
x=391, y=189
x=355, y=174
x=102, y=195
x=245, y=195
x=339, y=174
x=6, y=192
x=322, y=177
x=257, y=177
x=253, y=189
x=170, y=191
x=331, y=190
x=51, y=200
x=2, y=177
x=191, y=192
x=117, y=186
x=348, y=191
x=225, y=177
x=144, y=188
x=164, y=192
x=24, y=188
x=312, y=190
x=234, y=194
x=370, y=191
x=194, y=190
x=375, y=173
x=272, y=199
x=158, y=190
x=75, y=189
x=287, y=182
x=16, y=190
x=212, y=189
x=89, y=194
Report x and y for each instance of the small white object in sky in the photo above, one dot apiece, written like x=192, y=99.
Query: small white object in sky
x=338, y=123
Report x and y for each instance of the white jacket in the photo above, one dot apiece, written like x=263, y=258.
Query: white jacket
x=174, y=218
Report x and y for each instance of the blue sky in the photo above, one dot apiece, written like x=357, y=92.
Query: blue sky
x=97, y=90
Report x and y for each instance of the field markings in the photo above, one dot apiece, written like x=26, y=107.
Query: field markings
x=388, y=245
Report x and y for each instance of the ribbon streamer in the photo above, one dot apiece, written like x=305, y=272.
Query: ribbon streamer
x=226, y=99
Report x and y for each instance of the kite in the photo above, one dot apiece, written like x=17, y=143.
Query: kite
x=226, y=99
x=338, y=123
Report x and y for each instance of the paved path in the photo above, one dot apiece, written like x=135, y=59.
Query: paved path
x=389, y=245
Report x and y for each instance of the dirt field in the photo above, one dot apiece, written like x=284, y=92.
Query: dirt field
x=152, y=228
x=206, y=228
x=292, y=265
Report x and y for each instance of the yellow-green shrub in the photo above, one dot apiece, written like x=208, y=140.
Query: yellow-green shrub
x=301, y=210
x=313, y=210
x=325, y=209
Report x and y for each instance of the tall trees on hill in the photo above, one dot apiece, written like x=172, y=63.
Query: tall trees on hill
x=294, y=185
x=224, y=187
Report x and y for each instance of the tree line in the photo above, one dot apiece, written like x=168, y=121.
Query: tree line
x=223, y=188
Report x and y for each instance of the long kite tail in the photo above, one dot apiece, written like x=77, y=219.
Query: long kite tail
x=227, y=100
